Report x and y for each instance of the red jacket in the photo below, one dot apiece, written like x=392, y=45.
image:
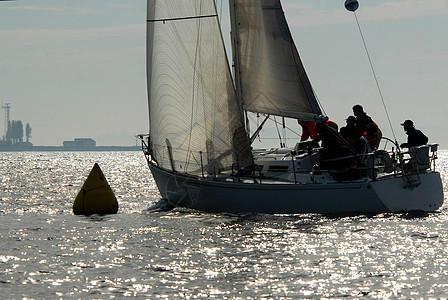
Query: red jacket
x=373, y=142
x=308, y=130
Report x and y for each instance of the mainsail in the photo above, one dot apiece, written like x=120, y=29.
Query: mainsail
x=272, y=78
x=195, y=122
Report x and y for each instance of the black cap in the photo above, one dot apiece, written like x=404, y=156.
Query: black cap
x=407, y=123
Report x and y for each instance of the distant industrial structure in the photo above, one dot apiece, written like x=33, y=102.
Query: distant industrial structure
x=13, y=131
x=80, y=144
x=7, y=108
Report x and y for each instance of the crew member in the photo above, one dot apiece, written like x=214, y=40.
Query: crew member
x=371, y=136
x=308, y=130
x=362, y=119
x=415, y=136
x=351, y=132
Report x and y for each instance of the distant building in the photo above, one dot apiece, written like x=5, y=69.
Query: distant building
x=80, y=144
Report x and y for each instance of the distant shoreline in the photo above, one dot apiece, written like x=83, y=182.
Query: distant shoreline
x=67, y=149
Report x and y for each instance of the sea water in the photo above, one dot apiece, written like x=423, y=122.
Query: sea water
x=47, y=252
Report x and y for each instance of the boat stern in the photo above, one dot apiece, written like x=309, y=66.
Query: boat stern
x=397, y=195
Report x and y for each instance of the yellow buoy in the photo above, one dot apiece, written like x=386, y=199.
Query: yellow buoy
x=95, y=196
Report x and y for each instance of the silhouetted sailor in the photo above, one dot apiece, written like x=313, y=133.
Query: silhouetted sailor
x=362, y=119
x=415, y=136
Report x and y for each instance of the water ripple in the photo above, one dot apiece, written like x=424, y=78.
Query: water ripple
x=47, y=252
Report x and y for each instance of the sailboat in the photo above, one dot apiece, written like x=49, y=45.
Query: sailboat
x=199, y=148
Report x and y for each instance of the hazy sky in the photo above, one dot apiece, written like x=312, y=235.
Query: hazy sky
x=76, y=68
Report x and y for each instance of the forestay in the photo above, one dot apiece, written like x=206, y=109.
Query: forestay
x=195, y=122
x=273, y=79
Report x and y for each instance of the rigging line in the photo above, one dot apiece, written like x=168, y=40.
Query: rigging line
x=220, y=10
x=374, y=75
x=257, y=133
x=274, y=138
x=181, y=18
x=215, y=70
x=258, y=124
x=288, y=128
x=303, y=81
x=196, y=54
x=284, y=129
x=318, y=101
x=294, y=50
x=278, y=132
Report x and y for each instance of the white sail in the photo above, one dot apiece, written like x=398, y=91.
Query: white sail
x=195, y=122
x=272, y=77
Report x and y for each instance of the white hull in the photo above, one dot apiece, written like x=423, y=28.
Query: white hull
x=385, y=195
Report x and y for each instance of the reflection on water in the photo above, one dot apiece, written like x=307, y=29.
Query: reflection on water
x=47, y=252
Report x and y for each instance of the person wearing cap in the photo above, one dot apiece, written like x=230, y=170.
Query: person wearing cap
x=362, y=120
x=415, y=136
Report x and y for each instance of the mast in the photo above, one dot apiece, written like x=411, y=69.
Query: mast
x=235, y=52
